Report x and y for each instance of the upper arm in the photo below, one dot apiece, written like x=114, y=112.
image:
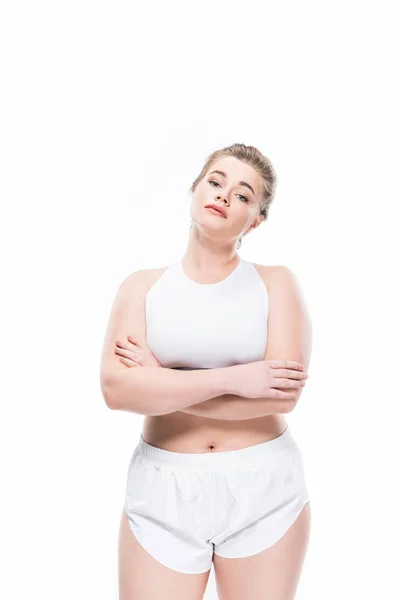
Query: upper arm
x=127, y=317
x=289, y=334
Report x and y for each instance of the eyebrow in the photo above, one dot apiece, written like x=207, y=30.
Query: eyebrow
x=240, y=182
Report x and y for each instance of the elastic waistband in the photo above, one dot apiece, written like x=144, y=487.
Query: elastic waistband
x=217, y=460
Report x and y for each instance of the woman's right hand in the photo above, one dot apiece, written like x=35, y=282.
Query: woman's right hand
x=268, y=379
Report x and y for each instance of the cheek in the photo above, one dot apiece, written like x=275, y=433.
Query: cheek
x=197, y=203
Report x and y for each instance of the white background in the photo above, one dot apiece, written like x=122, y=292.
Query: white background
x=109, y=110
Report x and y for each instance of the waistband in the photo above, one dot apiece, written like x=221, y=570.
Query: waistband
x=226, y=458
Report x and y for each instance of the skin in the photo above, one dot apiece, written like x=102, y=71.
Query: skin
x=142, y=577
x=211, y=253
x=213, y=240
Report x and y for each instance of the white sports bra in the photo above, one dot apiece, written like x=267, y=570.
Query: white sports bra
x=194, y=325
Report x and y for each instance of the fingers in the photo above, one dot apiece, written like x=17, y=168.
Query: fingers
x=289, y=374
x=140, y=355
x=128, y=344
x=272, y=393
x=125, y=350
x=129, y=363
x=288, y=383
x=288, y=364
x=127, y=353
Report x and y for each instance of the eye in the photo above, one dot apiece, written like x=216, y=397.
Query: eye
x=245, y=199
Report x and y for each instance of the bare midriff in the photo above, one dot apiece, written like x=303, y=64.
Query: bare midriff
x=192, y=434
x=181, y=432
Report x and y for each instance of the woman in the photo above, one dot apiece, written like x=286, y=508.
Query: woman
x=213, y=350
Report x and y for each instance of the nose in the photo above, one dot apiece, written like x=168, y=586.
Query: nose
x=219, y=197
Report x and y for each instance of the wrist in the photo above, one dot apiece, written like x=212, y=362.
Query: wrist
x=225, y=380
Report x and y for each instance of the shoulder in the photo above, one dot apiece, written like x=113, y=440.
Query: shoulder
x=142, y=278
x=285, y=293
x=289, y=322
x=276, y=275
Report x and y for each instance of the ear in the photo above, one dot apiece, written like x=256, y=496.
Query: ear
x=255, y=224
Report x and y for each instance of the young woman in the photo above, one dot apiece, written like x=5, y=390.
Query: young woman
x=214, y=351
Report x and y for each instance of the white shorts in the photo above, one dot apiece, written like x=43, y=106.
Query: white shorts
x=182, y=508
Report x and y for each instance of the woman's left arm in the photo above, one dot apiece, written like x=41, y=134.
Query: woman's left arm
x=289, y=336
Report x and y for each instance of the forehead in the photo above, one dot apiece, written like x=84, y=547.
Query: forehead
x=235, y=169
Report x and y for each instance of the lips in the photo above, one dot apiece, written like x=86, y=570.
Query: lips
x=217, y=208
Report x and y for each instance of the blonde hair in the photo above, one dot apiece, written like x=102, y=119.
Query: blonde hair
x=253, y=157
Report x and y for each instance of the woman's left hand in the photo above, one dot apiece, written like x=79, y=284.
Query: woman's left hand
x=132, y=355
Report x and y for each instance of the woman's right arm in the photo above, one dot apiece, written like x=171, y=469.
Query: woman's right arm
x=150, y=390
x=160, y=391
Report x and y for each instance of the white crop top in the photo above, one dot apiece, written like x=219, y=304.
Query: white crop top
x=194, y=325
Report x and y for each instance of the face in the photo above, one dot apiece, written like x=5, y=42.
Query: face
x=238, y=192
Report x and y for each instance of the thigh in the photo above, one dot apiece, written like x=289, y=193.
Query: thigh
x=142, y=576
x=272, y=574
